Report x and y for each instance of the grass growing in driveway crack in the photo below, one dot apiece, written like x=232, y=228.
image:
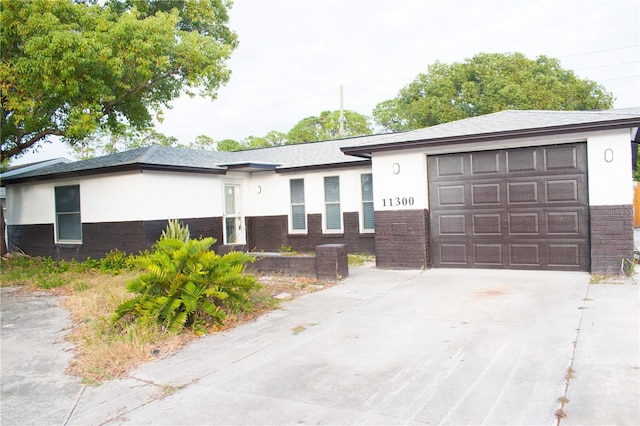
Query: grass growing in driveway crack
x=561, y=412
x=300, y=328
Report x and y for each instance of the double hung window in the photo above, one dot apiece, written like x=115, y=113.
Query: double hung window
x=366, y=182
x=68, y=224
x=298, y=222
x=333, y=214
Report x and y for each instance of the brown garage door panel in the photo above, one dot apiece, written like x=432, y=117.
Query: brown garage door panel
x=568, y=255
x=550, y=224
x=519, y=208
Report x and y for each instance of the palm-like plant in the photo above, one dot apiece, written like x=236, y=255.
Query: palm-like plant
x=186, y=284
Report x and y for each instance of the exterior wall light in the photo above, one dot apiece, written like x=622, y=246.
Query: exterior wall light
x=259, y=189
x=608, y=155
x=396, y=168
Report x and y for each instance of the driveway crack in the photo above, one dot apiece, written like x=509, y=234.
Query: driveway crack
x=75, y=405
x=563, y=400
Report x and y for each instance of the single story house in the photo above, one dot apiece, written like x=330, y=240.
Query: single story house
x=514, y=189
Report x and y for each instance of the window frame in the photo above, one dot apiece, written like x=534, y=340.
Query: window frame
x=57, y=214
x=364, y=202
x=293, y=204
x=325, y=218
x=236, y=215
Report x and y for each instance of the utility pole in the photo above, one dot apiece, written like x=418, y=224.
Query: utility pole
x=342, y=118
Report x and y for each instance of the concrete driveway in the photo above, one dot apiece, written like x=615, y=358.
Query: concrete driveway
x=396, y=347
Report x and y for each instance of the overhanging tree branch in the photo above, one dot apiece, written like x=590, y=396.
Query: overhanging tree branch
x=21, y=146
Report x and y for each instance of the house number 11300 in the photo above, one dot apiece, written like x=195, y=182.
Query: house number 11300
x=397, y=201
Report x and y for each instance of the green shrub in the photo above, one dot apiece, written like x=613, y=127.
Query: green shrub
x=176, y=230
x=114, y=261
x=188, y=285
x=90, y=263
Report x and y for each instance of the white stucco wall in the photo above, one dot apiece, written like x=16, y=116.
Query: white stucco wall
x=154, y=195
x=400, y=180
x=179, y=195
x=274, y=196
x=610, y=173
x=29, y=204
x=110, y=198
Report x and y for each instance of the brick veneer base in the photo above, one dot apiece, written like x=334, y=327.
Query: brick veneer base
x=402, y=239
x=270, y=233
x=611, y=238
x=100, y=238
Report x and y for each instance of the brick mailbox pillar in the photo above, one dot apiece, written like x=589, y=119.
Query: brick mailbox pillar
x=331, y=261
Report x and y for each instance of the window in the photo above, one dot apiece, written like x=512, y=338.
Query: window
x=68, y=224
x=333, y=216
x=298, y=214
x=366, y=181
x=233, y=220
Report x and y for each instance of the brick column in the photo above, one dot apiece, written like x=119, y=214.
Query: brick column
x=402, y=239
x=332, y=262
x=611, y=238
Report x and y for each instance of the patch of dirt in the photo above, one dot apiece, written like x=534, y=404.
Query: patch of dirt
x=295, y=286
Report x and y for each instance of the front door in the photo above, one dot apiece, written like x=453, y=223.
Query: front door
x=233, y=220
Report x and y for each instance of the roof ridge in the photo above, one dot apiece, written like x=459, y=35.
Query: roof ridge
x=147, y=153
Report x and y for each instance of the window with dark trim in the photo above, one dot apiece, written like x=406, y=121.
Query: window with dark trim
x=333, y=214
x=68, y=223
x=298, y=213
x=366, y=182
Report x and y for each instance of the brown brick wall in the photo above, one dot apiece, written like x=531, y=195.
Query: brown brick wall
x=100, y=238
x=611, y=238
x=332, y=262
x=302, y=266
x=329, y=262
x=270, y=233
x=402, y=239
x=34, y=240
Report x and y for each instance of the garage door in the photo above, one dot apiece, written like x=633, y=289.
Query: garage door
x=524, y=208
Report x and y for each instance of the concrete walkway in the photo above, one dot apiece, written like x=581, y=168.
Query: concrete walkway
x=386, y=347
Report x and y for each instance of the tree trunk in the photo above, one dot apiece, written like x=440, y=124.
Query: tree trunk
x=3, y=243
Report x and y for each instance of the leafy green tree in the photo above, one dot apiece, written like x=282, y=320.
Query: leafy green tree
x=273, y=138
x=203, y=142
x=69, y=68
x=229, y=145
x=104, y=142
x=253, y=142
x=327, y=126
x=486, y=83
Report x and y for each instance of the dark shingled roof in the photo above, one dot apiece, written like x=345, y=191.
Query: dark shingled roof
x=344, y=152
x=280, y=158
x=502, y=125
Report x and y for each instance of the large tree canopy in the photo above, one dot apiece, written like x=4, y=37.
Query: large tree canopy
x=488, y=83
x=69, y=69
x=327, y=126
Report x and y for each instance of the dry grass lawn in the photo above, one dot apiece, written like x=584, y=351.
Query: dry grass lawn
x=104, y=352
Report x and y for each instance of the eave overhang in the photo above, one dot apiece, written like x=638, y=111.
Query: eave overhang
x=250, y=166
x=365, y=151
x=348, y=165
x=112, y=169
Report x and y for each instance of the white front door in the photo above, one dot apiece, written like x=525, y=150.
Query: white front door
x=233, y=220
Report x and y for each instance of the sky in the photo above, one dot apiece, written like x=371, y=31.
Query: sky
x=294, y=55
